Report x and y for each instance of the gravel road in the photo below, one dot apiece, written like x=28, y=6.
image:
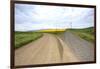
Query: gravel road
x=55, y=49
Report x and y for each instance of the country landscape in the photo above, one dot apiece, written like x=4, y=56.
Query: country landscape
x=45, y=38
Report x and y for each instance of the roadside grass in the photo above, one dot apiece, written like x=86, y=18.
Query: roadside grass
x=87, y=33
x=22, y=38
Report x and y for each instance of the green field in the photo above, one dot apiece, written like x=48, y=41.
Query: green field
x=87, y=33
x=22, y=38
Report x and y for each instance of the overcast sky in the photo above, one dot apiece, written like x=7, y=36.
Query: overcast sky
x=36, y=17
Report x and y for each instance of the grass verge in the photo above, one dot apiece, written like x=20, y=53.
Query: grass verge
x=87, y=33
x=22, y=38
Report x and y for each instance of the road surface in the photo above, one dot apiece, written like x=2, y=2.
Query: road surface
x=83, y=49
x=55, y=49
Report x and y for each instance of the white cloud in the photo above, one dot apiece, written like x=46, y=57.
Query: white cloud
x=34, y=17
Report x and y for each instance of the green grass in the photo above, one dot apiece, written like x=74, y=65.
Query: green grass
x=22, y=38
x=87, y=33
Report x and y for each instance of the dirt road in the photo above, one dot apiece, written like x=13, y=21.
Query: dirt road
x=52, y=49
x=83, y=49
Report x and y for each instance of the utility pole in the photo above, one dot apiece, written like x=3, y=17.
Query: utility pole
x=56, y=27
x=71, y=25
x=71, y=19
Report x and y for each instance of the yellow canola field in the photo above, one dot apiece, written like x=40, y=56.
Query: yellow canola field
x=52, y=30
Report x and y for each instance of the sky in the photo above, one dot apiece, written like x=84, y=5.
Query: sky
x=36, y=17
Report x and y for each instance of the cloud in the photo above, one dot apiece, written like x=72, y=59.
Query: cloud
x=34, y=17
